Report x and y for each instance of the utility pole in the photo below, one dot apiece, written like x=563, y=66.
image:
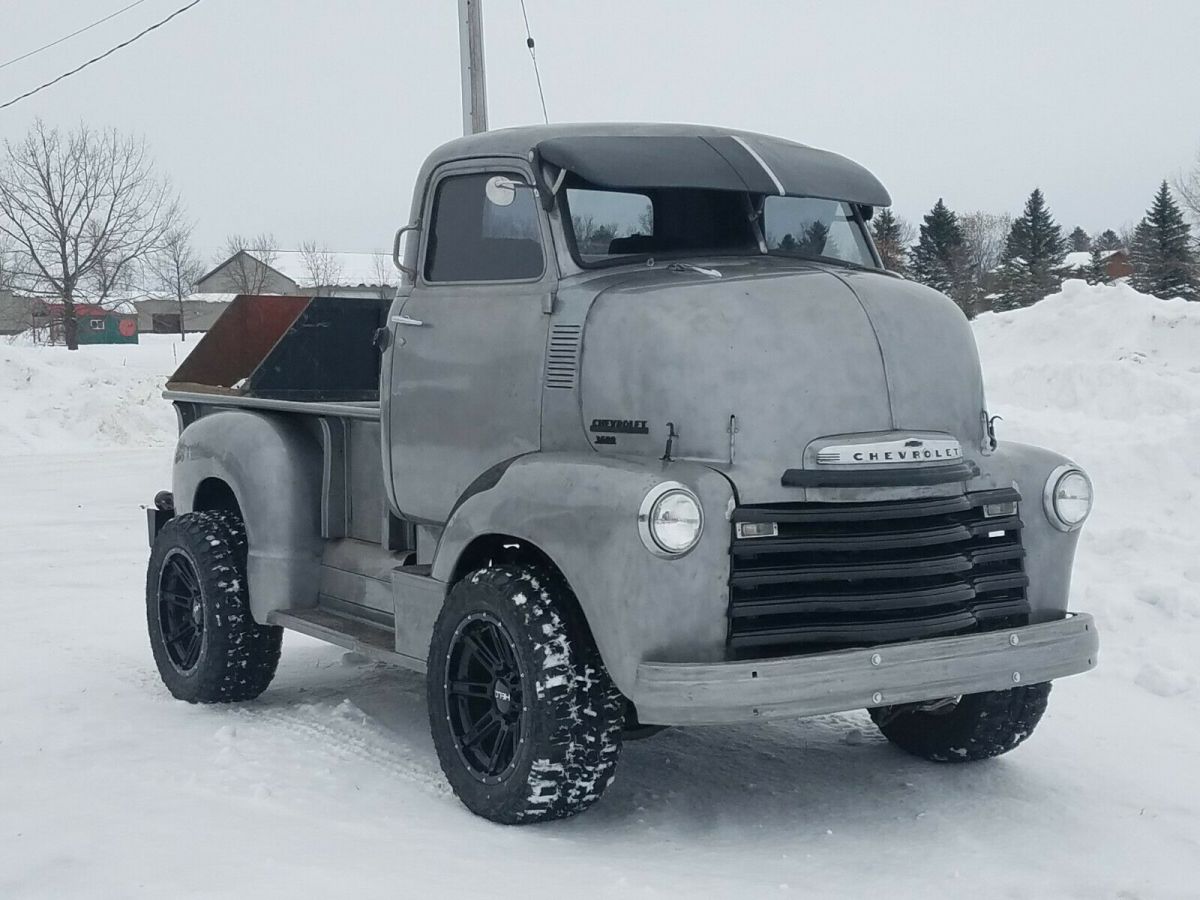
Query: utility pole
x=474, y=83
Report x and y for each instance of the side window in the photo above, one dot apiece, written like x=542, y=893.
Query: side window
x=482, y=231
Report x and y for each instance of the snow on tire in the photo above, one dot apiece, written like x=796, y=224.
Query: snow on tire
x=524, y=716
x=978, y=726
x=206, y=645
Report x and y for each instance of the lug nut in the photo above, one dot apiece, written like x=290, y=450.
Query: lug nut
x=876, y=659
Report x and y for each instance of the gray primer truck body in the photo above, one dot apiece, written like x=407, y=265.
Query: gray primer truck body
x=539, y=412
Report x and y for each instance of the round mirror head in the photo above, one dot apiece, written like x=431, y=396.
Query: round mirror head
x=501, y=191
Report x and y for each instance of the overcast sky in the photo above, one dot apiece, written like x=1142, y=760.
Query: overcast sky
x=310, y=118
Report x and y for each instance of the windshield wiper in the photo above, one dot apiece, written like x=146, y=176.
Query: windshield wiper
x=692, y=267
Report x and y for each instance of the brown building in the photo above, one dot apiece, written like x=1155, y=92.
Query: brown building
x=1116, y=263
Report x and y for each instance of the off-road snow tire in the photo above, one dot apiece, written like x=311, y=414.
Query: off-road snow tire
x=981, y=726
x=238, y=657
x=575, y=712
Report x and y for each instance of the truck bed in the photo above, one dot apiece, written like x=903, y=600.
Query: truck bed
x=344, y=409
x=282, y=353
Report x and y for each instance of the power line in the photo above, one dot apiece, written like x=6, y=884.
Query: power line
x=532, y=56
x=71, y=35
x=96, y=59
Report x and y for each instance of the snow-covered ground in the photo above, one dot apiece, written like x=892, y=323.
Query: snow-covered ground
x=328, y=786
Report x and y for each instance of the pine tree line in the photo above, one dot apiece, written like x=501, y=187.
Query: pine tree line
x=984, y=261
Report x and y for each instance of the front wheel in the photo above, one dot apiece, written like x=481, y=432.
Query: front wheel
x=973, y=727
x=207, y=646
x=524, y=716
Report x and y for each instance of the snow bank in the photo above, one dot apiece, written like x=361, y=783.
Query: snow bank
x=100, y=396
x=329, y=785
x=1111, y=377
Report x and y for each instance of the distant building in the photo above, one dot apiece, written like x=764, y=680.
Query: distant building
x=164, y=315
x=244, y=273
x=1116, y=263
x=19, y=313
x=95, y=324
x=287, y=272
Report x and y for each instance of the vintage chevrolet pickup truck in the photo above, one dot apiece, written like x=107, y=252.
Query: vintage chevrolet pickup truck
x=647, y=437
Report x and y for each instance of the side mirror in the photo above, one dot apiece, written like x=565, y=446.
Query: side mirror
x=501, y=190
x=412, y=226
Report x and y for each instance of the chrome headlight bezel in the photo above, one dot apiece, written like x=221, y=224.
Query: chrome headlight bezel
x=646, y=518
x=1050, y=504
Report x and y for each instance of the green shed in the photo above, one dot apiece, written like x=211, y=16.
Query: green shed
x=97, y=325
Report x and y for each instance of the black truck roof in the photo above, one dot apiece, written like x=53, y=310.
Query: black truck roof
x=631, y=155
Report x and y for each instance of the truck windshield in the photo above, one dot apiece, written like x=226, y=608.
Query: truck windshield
x=612, y=226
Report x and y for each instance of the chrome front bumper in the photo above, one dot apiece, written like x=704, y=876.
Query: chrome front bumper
x=712, y=693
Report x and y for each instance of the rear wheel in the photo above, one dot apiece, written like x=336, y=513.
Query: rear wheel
x=973, y=727
x=207, y=647
x=525, y=718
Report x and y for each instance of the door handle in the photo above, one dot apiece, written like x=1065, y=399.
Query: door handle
x=405, y=320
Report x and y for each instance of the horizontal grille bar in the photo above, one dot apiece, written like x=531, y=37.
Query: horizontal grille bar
x=876, y=566
x=866, y=512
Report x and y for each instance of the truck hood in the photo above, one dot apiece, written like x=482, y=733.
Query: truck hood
x=786, y=354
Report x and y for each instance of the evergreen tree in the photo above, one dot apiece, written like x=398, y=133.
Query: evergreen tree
x=1163, y=261
x=1080, y=240
x=1031, y=266
x=814, y=241
x=937, y=259
x=1097, y=270
x=889, y=240
x=1108, y=240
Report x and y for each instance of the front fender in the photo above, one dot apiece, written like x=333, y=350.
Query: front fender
x=1049, y=553
x=273, y=466
x=581, y=510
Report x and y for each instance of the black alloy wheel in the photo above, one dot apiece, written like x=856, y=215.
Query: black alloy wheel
x=525, y=719
x=206, y=645
x=181, y=611
x=485, y=697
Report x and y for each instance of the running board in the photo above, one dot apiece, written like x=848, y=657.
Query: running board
x=370, y=640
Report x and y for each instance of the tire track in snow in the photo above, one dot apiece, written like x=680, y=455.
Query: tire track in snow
x=349, y=735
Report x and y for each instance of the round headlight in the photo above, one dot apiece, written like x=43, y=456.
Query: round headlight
x=1068, y=498
x=670, y=520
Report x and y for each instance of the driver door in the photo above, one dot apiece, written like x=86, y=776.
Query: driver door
x=469, y=343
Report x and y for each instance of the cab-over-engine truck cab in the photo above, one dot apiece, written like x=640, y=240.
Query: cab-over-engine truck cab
x=656, y=441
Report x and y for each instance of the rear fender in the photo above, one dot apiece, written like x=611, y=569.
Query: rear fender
x=272, y=463
x=581, y=510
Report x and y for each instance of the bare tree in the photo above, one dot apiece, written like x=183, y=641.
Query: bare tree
x=320, y=265
x=984, y=236
x=112, y=280
x=249, y=258
x=1187, y=186
x=84, y=208
x=384, y=274
x=176, y=267
x=8, y=272
x=1127, y=234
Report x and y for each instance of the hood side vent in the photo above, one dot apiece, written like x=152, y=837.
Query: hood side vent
x=562, y=356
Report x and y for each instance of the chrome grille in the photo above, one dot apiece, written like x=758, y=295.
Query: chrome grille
x=857, y=574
